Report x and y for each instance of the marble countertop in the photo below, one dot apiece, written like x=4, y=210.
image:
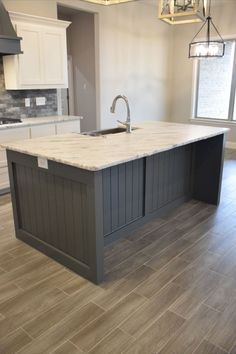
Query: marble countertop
x=97, y=153
x=28, y=122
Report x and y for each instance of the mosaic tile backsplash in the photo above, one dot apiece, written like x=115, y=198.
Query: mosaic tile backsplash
x=12, y=102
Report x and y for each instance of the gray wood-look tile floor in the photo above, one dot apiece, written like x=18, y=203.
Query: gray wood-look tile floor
x=170, y=288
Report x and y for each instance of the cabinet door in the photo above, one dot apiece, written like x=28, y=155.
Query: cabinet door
x=54, y=58
x=30, y=62
x=42, y=130
x=68, y=127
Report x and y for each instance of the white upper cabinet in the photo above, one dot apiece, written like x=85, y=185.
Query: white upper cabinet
x=43, y=64
x=30, y=69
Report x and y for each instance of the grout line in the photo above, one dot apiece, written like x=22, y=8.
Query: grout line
x=210, y=307
x=29, y=335
x=93, y=301
x=57, y=347
x=82, y=352
x=111, y=329
x=217, y=346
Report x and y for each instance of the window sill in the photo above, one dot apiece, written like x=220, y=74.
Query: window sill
x=213, y=121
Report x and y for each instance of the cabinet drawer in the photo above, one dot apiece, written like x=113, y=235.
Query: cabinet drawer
x=42, y=130
x=68, y=127
x=4, y=178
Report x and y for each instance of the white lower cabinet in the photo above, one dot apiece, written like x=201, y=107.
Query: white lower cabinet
x=35, y=131
x=12, y=134
x=4, y=178
x=68, y=127
x=3, y=156
x=42, y=130
x=9, y=135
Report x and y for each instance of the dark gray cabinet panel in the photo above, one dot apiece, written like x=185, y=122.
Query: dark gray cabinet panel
x=168, y=177
x=208, y=168
x=58, y=213
x=123, y=195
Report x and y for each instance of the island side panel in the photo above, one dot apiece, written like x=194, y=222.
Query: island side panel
x=168, y=179
x=123, y=197
x=209, y=160
x=141, y=190
x=59, y=211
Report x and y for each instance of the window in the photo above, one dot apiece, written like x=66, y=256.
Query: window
x=216, y=86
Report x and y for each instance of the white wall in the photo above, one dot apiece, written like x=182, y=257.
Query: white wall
x=134, y=53
x=83, y=54
x=223, y=14
x=132, y=57
x=45, y=8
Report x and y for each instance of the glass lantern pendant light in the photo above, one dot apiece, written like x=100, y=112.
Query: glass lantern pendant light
x=176, y=12
x=209, y=48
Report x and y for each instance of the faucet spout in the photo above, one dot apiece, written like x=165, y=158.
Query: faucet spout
x=113, y=107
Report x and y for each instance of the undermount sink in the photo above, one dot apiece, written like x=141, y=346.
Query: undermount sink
x=106, y=131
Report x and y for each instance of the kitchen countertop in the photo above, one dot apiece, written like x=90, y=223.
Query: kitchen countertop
x=28, y=122
x=97, y=153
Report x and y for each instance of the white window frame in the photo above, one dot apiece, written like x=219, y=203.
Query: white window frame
x=232, y=102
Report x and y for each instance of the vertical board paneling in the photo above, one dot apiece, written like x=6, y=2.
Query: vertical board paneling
x=155, y=183
x=123, y=195
x=20, y=195
x=54, y=210
x=114, y=198
x=168, y=177
x=106, y=182
x=38, y=207
x=28, y=176
x=53, y=239
x=149, y=182
x=78, y=223
x=69, y=222
x=83, y=219
x=44, y=203
x=135, y=190
x=128, y=191
x=141, y=189
x=60, y=212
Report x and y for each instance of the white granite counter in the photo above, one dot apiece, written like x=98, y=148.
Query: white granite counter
x=28, y=122
x=96, y=153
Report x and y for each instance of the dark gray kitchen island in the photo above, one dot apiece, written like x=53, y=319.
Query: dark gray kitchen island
x=72, y=194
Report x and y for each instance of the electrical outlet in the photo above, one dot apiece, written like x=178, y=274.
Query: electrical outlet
x=40, y=101
x=27, y=102
x=43, y=163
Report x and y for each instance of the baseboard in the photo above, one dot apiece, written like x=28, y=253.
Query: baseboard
x=230, y=145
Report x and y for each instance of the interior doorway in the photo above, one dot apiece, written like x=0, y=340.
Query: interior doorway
x=81, y=96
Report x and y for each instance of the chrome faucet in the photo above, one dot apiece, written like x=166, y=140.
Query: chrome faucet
x=112, y=109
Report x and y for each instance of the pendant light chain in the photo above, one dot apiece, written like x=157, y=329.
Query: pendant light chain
x=209, y=9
